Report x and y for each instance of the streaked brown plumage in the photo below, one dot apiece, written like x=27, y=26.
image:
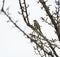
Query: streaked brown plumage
x=36, y=25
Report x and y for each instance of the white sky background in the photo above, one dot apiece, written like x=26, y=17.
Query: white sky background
x=12, y=41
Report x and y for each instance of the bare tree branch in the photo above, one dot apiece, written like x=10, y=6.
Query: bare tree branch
x=41, y=41
x=50, y=16
x=44, y=37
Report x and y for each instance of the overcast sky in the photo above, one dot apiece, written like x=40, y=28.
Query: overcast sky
x=12, y=41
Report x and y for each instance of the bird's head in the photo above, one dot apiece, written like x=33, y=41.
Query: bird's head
x=34, y=20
